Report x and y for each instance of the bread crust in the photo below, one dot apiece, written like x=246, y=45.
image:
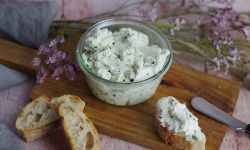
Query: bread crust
x=33, y=134
x=177, y=140
x=97, y=142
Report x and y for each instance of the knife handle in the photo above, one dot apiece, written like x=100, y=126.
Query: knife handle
x=207, y=108
x=248, y=129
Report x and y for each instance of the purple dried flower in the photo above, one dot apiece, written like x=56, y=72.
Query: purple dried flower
x=177, y=21
x=153, y=15
x=218, y=49
x=217, y=61
x=58, y=71
x=62, y=40
x=235, y=56
x=54, y=66
x=52, y=59
x=53, y=43
x=183, y=21
x=197, y=38
x=221, y=61
x=246, y=32
x=226, y=63
x=172, y=31
x=70, y=72
x=41, y=49
x=57, y=61
x=61, y=55
x=36, y=61
x=41, y=75
x=176, y=27
x=223, y=16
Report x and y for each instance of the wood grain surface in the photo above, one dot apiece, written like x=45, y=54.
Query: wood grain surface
x=135, y=123
x=17, y=56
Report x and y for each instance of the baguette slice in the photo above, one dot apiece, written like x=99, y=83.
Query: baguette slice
x=177, y=140
x=40, y=117
x=79, y=130
x=171, y=113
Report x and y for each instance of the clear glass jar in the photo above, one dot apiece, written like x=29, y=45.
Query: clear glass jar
x=118, y=93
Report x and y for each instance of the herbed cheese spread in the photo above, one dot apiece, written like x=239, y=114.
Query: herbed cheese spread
x=176, y=117
x=123, y=56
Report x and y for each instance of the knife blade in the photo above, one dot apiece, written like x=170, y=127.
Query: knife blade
x=210, y=110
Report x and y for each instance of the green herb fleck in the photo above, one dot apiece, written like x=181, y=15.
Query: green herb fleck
x=105, y=93
x=88, y=59
x=153, y=62
x=113, y=43
x=190, y=116
x=171, y=101
x=131, y=80
x=109, y=47
x=95, y=46
x=114, y=95
x=96, y=37
x=126, y=36
x=147, y=74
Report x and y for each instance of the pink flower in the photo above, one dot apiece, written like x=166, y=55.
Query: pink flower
x=36, y=61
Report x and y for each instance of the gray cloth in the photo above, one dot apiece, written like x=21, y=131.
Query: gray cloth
x=10, y=77
x=8, y=140
x=26, y=23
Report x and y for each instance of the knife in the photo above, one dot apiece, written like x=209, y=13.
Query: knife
x=210, y=110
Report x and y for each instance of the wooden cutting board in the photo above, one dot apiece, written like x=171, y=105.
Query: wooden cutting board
x=135, y=123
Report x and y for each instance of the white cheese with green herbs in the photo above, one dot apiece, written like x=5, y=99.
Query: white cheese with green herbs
x=123, y=56
x=176, y=117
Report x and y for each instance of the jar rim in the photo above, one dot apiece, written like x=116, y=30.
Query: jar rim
x=110, y=22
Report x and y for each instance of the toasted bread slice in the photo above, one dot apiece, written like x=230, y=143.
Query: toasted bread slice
x=40, y=117
x=178, y=140
x=177, y=126
x=79, y=130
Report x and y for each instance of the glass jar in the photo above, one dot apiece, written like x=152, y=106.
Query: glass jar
x=119, y=93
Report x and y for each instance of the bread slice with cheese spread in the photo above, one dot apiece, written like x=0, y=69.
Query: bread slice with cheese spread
x=40, y=117
x=177, y=126
x=80, y=131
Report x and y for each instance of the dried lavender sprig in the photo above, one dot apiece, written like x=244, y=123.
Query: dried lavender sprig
x=55, y=62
